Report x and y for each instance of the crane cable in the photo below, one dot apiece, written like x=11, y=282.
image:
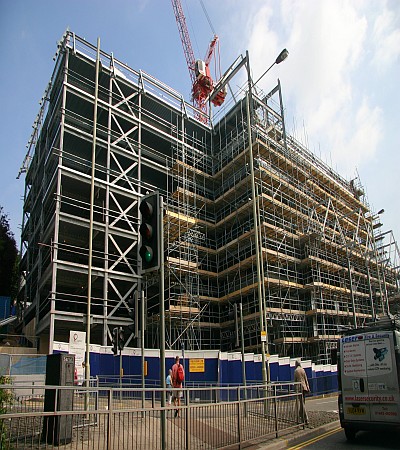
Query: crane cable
x=214, y=33
x=217, y=61
x=193, y=32
x=208, y=17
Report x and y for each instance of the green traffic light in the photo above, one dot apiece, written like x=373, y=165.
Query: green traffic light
x=146, y=252
x=148, y=256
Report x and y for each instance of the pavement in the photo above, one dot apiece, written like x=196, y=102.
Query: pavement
x=296, y=437
x=323, y=417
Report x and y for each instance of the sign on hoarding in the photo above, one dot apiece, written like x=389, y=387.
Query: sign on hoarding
x=196, y=365
x=77, y=347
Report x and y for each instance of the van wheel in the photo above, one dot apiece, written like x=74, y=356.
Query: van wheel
x=350, y=434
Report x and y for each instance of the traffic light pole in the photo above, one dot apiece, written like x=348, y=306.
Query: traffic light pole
x=121, y=374
x=151, y=252
x=143, y=318
x=162, y=328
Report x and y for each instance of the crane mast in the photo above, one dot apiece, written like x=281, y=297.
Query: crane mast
x=199, y=70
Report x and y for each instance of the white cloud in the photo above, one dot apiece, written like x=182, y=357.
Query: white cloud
x=386, y=37
x=328, y=43
x=355, y=137
x=339, y=83
x=263, y=41
x=369, y=130
x=326, y=40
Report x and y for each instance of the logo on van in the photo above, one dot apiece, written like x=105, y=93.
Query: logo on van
x=380, y=353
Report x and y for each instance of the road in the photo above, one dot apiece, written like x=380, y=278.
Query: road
x=365, y=440
x=322, y=404
x=336, y=440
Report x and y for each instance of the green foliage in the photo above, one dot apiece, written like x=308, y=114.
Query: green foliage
x=8, y=258
x=6, y=395
x=6, y=398
x=15, y=278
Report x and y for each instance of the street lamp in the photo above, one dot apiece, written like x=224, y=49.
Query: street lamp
x=263, y=325
x=280, y=58
x=374, y=216
x=371, y=218
x=382, y=293
x=230, y=72
x=255, y=219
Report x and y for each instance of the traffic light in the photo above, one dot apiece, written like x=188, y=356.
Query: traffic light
x=121, y=339
x=150, y=231
x=115, y=341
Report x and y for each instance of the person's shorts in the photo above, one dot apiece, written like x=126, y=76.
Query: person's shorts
x=178, y=393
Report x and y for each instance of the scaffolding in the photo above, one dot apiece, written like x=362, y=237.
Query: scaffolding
x=236, y=190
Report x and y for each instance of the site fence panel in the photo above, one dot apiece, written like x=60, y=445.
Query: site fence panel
x=132, y=418
x=323, y=384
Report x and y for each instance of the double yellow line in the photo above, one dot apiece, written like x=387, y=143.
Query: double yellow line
x=316, y=439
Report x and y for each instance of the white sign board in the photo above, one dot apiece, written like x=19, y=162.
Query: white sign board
x=263, y=336
x=77, y=347
x=354, y=362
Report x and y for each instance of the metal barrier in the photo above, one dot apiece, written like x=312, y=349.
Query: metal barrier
x=319, y=384
x=132, y=418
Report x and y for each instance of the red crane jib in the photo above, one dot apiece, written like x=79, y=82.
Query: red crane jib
x=219, y=98
x=202, y=83
x=211, y=49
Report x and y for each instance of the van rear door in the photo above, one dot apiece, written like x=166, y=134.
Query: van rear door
x=354, y=374
x=383, y=383
x=370, y=386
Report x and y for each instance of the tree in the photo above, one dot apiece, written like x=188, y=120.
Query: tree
x=8, y=258
x=6, y=400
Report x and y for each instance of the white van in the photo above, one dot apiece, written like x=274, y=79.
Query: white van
x=369, y=373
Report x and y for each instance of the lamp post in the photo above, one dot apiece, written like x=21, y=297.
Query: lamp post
x=263, y=324
x=280, y=58
x=232, y=70
x=255, y=220
x=353, y=300
x=383, y=298
x=349, y=254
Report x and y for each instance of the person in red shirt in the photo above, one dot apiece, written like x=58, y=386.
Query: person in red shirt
x=177, y=384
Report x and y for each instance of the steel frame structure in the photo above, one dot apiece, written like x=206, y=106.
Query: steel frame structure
x=228, y=204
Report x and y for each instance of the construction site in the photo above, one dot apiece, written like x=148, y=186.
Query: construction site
x=258, y=230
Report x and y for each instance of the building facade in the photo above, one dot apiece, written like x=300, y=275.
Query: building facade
x=258, y=231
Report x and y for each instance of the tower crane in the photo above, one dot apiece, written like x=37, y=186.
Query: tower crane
x=199, y=70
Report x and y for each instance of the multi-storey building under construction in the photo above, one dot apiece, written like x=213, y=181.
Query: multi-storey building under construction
x=251, y=219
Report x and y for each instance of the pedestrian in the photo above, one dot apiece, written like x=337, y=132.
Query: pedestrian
x=303, y=387
x=168, y=382
x=178, y=375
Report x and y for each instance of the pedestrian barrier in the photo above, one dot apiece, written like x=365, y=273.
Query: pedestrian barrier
x=134, y=418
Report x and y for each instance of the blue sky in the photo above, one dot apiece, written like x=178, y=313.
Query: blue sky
x=340, y=83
